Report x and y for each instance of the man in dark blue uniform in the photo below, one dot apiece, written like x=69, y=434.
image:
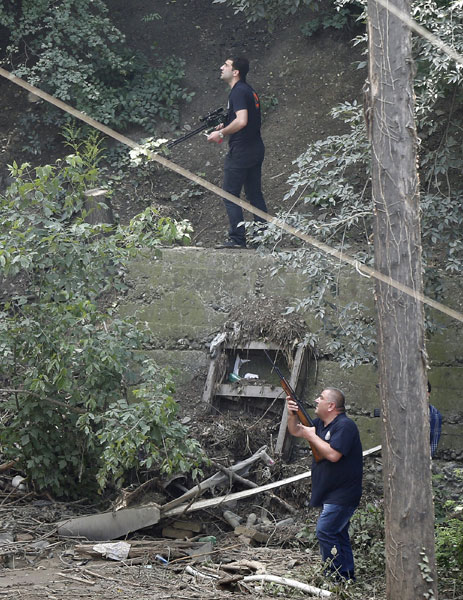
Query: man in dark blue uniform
x=243, y=163
x=336, y=478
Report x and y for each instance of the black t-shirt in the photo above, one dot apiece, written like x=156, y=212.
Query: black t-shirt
x=338, y=482
x=242, y=97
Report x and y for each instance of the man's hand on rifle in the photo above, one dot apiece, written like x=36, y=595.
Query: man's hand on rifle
x=295, y=427
x=216, y=135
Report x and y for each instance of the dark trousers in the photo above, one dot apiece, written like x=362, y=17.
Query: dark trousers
x=235, y=177
x=333, y=531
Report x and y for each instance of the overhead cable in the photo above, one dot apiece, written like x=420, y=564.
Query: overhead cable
x=276, y=221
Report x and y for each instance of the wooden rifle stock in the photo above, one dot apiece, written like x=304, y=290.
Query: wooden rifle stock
x=302, y=414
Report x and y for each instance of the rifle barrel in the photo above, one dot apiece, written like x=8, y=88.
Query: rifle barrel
x=289, y=390
x=187, y=135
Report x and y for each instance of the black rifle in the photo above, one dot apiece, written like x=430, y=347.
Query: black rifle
x=211, y=120
x=303, y=415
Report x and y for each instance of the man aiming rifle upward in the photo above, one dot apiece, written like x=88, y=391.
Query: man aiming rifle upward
x=336, y=475
x=243, y=163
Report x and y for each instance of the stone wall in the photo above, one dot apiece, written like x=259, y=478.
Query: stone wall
x=186, y=297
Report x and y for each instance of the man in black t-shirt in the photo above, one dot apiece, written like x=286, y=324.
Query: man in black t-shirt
x=336, y=478
x=243, y=163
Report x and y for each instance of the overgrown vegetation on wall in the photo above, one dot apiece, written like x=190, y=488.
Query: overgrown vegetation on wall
x=332, y=197
x=86, y=404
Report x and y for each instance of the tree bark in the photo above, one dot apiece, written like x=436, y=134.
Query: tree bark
x=409, y=513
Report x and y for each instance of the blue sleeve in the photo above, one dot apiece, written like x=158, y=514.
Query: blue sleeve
x=343, y=436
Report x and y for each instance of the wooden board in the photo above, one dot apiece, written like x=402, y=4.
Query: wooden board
x=201, y=504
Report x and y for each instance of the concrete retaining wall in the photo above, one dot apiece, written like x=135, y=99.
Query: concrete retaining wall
x=186, y=297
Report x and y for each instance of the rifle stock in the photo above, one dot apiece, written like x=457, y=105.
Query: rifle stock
x=302, y=414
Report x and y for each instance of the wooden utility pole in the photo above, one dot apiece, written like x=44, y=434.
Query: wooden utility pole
x=389, y=111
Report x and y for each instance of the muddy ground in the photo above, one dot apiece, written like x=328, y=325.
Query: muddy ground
x=38, y=564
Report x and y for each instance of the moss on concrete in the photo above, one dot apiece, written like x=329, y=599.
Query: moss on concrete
x=189, y=293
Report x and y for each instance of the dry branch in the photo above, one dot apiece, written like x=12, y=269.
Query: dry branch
x=217, y=479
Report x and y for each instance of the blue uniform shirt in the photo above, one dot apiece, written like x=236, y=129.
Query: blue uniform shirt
x=338, y=482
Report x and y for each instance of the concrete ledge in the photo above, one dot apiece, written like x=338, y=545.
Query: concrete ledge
x=187, y=294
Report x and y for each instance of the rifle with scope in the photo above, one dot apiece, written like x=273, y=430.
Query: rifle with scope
x=210, y=121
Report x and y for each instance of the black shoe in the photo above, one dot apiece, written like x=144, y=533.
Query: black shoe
x=231, y=244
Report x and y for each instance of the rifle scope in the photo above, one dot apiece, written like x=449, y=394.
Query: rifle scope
x=212, y=115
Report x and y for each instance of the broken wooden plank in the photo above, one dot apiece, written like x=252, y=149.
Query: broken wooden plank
x=253, y=345
x=269, y=392
x=285, y=440
x=178, y=510
x=201, y=504
x=177, y=534
x=195, y=526
x=171, y=548
x=252, y=533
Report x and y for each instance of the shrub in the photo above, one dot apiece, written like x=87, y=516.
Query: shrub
x=89, y=403
x=73, y=51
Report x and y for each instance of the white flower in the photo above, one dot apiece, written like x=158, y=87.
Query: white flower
x=145, y=149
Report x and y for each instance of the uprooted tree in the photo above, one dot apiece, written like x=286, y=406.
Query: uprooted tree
x=82, y=403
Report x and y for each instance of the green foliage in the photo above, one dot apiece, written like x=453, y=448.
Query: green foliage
x=325, y=14
x=332, y=196
x=151, y=17
x=271, y=10
x=88, y=395
x=338, y=19
x=449, y=546
x=74, y=52
x=268, y=102
x=367, y=535
x=449, y=526
x=143, y=432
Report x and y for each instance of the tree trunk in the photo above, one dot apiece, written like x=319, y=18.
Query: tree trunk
x=409, y=513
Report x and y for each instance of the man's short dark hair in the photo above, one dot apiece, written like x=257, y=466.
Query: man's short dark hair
x=241, y=64
x=338, y=398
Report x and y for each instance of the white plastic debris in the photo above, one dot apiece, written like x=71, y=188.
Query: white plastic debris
x=17, y=482
x=251, y=376
x=113, y=551
x=216, y=343
x=239, y=362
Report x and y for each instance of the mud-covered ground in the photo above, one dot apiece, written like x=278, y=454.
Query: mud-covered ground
x=36, y=563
